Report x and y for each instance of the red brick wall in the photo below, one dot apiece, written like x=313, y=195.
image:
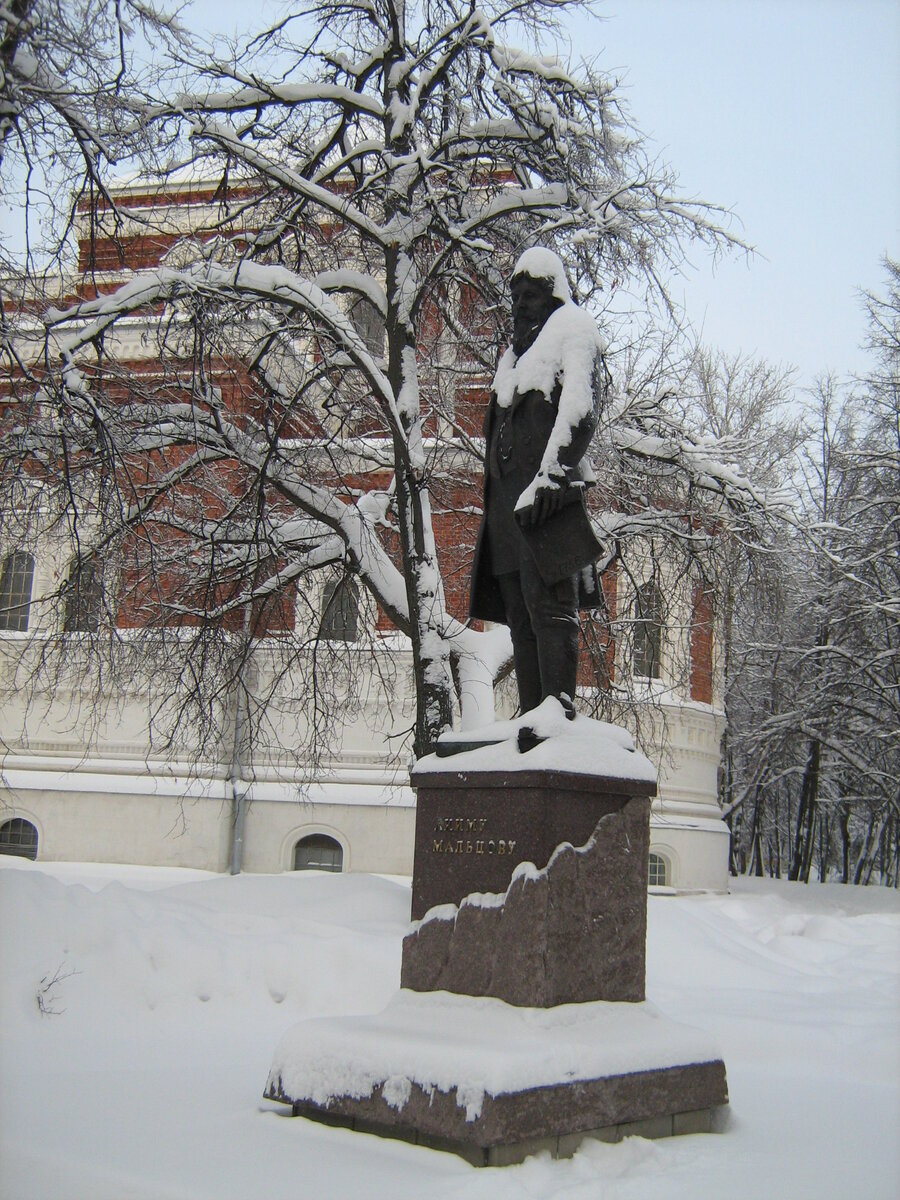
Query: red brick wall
x=701, y=646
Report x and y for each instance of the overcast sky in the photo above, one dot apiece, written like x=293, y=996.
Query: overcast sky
x=787, y=112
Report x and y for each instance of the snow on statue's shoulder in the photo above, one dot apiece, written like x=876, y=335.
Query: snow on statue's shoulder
x=565, y=351
x=581, y=747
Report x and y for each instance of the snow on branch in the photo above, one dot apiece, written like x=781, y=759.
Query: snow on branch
x=345, y=280
x=257, y=98
x=275, y=284
x=274, y=169
x=696, y=459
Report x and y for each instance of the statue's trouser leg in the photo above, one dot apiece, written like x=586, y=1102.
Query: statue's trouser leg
x=525, y=646
x=543, y=623
x=554, y=618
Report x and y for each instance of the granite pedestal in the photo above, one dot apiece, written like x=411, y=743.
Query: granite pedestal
x=521, y=1024
x=495, y=1083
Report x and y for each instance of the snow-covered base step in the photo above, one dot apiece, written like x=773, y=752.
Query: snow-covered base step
x=495, y=1082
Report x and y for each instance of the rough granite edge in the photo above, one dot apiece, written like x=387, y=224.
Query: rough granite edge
x=571, y=932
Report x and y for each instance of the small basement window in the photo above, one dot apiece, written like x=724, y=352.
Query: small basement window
x=318, y=852
x=19, y=837
x=659, y=871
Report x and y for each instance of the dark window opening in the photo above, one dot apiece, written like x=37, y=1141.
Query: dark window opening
x=340, y=611
x=318, y=852
x=84, y=592
x=15, y=591
x=648, y=627
x=19, y=837
x=369, y=324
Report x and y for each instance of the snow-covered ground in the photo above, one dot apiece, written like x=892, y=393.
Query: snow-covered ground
x=142, y=1078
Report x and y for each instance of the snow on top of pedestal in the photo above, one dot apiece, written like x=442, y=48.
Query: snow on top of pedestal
x=478, y=1045
x=582, y=747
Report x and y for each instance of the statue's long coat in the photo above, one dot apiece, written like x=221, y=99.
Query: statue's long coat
x=532, y=417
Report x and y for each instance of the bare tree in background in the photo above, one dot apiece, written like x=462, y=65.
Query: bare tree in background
x=814, y=701
x=69, y=73
x=387, y=158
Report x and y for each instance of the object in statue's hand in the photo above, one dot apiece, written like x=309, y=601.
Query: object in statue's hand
x=548, y=500
x=562, y=544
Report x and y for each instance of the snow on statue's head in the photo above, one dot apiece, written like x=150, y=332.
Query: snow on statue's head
x=544, y=264
x=539, y=286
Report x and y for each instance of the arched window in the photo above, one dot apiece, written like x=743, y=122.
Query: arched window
x=648, y=627
x=340, y=611
x=318, y=852
x=83, y=595
x=659, y=871
x=20, y=837
x=15, y=591
x=369, y=324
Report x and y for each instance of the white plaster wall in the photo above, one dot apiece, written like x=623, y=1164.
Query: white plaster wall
x=696, y=852
x=118, y=803
x=122, y=827
x=376, y=838
x=686, y=825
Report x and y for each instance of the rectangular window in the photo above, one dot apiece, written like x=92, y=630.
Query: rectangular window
x=648, y=627
x=15, y=591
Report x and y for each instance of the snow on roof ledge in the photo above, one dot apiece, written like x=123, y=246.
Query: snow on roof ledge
x=581, y=747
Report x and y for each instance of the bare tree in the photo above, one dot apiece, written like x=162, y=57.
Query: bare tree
x=813, y=702
x=389, y=159
x=66, y=69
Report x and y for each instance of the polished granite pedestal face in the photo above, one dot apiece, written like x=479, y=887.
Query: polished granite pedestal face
x=474, y=827
x=568, y=934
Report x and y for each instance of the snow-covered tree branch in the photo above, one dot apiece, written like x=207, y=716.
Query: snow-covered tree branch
x=285, y=384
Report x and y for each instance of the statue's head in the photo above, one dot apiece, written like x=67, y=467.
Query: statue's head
x=539, y=286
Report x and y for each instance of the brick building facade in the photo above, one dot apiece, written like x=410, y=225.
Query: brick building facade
x=85, y=783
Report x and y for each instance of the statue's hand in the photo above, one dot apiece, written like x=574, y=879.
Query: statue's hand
x=548, y=499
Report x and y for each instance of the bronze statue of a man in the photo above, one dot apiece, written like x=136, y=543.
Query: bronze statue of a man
x=535, y=555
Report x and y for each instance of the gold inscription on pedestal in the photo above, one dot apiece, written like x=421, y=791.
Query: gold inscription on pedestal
x=461, y=824
x=469, y=844
x=496, y=846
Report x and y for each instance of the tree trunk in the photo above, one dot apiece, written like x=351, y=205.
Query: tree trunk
x=804, y=834
x=844, y=825
x=866, y=859
x=756, y=864
x=431, y=666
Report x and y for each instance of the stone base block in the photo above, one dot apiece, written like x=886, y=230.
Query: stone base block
x=495, y=1083
x=474, y=827
x=508, y=1154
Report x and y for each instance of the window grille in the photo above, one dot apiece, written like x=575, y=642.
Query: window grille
x=318, y=852
x=15, y=591
x=659, y=874
x=20, y=837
